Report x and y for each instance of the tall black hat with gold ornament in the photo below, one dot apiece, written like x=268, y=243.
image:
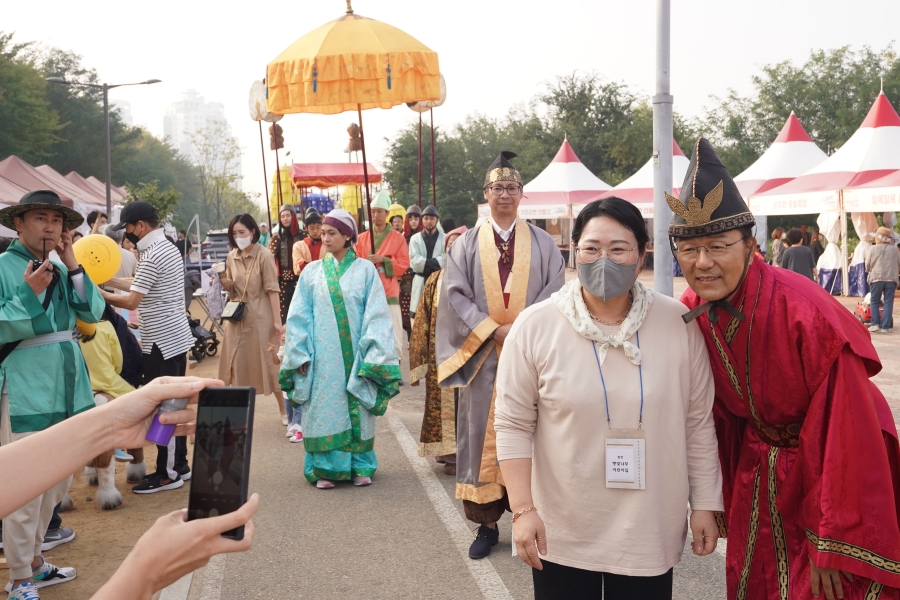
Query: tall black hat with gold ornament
x=503, y=170
x=709, y=202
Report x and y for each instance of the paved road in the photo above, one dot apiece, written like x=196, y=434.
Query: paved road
x=403, y=537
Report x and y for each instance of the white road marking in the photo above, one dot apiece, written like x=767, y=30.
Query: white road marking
x=483, y=572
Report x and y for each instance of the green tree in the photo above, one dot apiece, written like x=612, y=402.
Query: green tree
x=215, y=153
x=163, y=201
x=28, y=122
x=831, y=92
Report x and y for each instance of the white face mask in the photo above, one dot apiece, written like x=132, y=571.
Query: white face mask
x=244, y=242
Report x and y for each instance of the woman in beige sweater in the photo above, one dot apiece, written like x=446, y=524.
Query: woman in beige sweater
x=604, y=425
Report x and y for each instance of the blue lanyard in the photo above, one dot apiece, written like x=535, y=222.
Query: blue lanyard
x=603, y=381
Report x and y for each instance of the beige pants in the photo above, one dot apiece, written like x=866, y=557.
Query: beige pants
x=399, y=332
x=24, y=529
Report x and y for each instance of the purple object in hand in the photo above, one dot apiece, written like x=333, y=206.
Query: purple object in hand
x=159, y=433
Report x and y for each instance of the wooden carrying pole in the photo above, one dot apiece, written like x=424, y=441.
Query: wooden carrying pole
x=433, y=182
x=362, y=142
x=262, y=147
x=419, y=162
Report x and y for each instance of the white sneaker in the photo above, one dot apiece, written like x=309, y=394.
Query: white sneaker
x=874, y=328
x=25, y=591
x=292, y=429
x=298, y=437
x=45, y=575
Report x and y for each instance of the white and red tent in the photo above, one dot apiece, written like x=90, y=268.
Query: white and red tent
x=872, y=152
x=565, y=181
x=638, y=189
x=792, y=154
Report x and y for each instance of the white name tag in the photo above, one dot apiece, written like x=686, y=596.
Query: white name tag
x=625, y=464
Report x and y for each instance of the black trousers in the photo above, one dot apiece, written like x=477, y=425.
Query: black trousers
x=157, y=366
x=558, y=582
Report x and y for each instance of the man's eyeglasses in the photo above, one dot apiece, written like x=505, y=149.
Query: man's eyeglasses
x=714, y=250
x=513, y=190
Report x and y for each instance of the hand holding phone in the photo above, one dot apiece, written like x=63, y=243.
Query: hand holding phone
x=222, y=442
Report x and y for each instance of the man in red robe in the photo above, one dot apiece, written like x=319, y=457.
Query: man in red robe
x=309, y=248
x=808, y=446
x=391, y=260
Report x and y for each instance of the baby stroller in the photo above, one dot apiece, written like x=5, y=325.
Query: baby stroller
x=863, y=310
x=205, y=342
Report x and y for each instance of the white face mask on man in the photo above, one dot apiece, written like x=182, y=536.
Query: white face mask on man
x=243, y=242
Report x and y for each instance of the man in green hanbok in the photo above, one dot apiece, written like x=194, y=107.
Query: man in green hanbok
x=42, y=372
x=340, y=363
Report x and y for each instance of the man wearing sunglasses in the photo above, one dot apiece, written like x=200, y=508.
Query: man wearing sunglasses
x=809, y=451
x=491, y=274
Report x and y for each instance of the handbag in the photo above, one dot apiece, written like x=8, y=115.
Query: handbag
x=234, y=311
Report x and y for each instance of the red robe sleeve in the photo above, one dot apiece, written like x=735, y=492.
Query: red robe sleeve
x=844, y=487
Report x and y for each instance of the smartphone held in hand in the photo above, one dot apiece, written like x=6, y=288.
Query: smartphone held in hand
x=222, y=441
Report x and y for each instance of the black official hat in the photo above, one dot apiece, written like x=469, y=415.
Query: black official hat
x=40, y=199
x=134, y=212
x=722, y=208
x=503, y=170
x=312, y=217
x=430, y=211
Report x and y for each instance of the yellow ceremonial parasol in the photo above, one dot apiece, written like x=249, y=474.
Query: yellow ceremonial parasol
x=351, y=199
x=397, y=210
x=352, y=63
x=285, y=190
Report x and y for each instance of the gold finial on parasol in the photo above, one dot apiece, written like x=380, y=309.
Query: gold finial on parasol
x=349, y=8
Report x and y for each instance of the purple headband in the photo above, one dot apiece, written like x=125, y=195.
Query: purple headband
x=340, y=226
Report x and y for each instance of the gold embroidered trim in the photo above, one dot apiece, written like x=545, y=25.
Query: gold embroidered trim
x=733, y=325
x=854, y=552
x=418, y=373
x=504, y=174
x=480, y=495
x=475, y=340
x=720, y=522
x=729, y=366
x=873, y=592
x=752, y=532
x=781, y=559
x=518, y=278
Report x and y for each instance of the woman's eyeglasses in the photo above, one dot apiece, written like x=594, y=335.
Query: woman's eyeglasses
x=590, y=254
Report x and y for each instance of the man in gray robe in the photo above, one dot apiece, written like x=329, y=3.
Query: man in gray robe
x=491, y=274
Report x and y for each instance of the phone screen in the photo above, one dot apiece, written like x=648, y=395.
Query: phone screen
x=221, y=453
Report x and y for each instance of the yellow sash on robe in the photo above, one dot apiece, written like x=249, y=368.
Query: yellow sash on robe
x=517, y=287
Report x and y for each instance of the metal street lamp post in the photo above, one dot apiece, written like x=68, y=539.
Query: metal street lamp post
x=105, y=87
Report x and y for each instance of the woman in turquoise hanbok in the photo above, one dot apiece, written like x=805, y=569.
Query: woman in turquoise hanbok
x=340, y=363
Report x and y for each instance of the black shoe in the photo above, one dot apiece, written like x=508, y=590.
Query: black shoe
x=158, y=482
x=184, y=471
x=485, y=539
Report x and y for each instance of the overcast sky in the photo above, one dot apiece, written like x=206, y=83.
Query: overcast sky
x=492, y=54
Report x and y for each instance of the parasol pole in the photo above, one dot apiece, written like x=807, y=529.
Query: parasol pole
x=419, y=161
x=262, y=147
x=362, y=142
x=278, y=179
x=433, y=180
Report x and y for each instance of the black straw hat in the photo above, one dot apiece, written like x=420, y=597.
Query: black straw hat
x=47, y=199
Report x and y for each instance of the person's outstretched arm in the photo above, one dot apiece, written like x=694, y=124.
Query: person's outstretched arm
x=69, y=445
x=174, y=547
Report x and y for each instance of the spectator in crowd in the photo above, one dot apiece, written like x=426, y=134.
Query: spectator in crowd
x=170, y=549
x=129, y=261
x=44, y=379
x=759, y=253
x=883, y=267
x=281, y=245
x=817, y=246
x=183, y=243
x=798, y=258
x=96, y=220
x=250, y=278
x=264, y=234
x=806, y=235
x=606, y=333
x=4, y=244
x=777, y=246
x=158, y=292
x=76, y=235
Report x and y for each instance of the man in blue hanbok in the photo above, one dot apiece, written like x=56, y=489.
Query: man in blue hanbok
x=340, y=363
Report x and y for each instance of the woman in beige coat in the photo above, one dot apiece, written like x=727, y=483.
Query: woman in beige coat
x=247, y=356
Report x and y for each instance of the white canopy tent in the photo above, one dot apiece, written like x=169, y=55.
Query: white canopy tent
x=872, y=152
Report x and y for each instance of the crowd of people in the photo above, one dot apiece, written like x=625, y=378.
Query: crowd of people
x=610, y=420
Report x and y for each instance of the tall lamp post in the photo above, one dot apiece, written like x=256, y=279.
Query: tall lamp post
x=105, y=87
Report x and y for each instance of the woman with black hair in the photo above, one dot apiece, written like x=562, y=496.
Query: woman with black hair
x=604, y=424
x=249, y=277
x=281, y=245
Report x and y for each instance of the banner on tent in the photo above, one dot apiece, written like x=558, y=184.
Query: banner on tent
x=552, y=211
x=795, y=204
x=872, y=199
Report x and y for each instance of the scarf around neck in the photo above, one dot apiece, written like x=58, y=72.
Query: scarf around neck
x=571, y=304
